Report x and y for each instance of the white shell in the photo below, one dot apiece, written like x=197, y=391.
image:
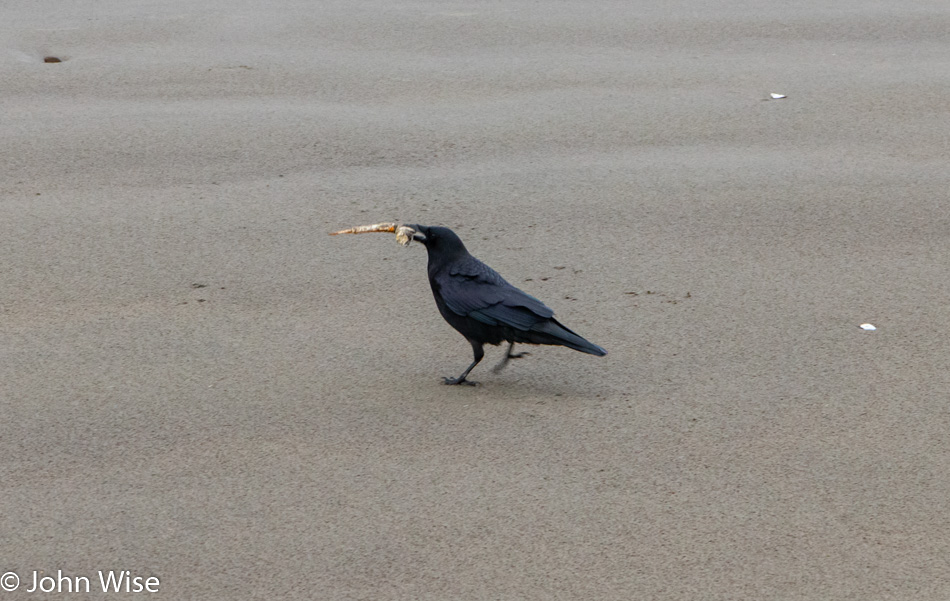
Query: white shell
x=776, y=96
x=867, y=326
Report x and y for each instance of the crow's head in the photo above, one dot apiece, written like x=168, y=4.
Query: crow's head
x=439, y=241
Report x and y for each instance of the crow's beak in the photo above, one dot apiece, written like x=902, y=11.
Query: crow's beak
x=421, y=230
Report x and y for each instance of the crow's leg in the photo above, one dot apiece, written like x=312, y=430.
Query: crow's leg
x=509, y=355
x=479, y=353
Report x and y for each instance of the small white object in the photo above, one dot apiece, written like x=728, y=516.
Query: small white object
x=867, y=326
x=777, y=96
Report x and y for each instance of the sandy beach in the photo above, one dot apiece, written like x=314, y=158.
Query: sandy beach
x=199, y=385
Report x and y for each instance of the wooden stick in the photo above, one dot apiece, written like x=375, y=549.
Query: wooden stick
x=404, y=233
x=362, y=229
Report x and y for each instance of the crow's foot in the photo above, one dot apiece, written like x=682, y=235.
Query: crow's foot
x=504, y=361
x=457, y=381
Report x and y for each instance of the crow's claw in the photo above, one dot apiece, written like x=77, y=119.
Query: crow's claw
x=457, y=381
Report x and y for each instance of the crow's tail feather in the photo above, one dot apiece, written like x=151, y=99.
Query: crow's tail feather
x=552, y=332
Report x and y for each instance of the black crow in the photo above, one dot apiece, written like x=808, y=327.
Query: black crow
x=483, y=307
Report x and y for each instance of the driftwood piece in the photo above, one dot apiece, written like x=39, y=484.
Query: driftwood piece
x=404, y=233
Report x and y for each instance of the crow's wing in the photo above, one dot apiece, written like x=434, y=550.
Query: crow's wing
x=473, y=289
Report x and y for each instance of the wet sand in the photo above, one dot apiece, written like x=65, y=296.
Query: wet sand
x=198, y=384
